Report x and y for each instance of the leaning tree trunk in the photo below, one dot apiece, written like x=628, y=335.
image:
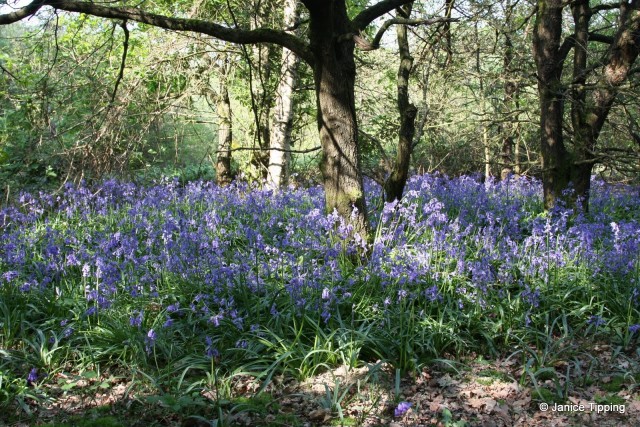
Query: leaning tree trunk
x=334, y=72
x=394, y=186
x=556, y=165
x=280, y=139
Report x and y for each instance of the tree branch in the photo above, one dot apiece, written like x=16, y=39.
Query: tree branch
x=9, y=73
x=371, y=13
x=375, y=44
x=125, y=45
x=233, y=35
x=570, y=42
x=596, y=37
x=566, y=47
x=22, y=13
x=309, y=150
x=605, y=6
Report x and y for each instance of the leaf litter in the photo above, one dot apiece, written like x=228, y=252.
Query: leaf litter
x=470, y=392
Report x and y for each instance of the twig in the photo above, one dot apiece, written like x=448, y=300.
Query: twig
x=125, y=45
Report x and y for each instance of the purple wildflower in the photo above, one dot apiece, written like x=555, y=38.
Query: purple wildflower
x=401, y=409
x=33, y=376
x=150, y=340
x=596, y=320
x=210, y=350
x=136, y=318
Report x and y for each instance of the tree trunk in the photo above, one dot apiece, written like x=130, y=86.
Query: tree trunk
x=225, y=134
x=261, y=95
x=334, y=76
x=487, y=148
x=280, y=139
x=589, y=115
x=394, y=186
x=548, y=58
x=583, y=140
x=510, y=89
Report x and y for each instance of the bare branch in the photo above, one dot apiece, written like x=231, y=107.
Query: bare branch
x=309, y=150
x=125, y=45
x=9, y=73
x=375, y=44
x=297, y=25
x=605, y=6
x=371, y=13
x=601, y=38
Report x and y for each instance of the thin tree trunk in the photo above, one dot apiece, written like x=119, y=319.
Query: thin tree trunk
x=225, y=132
x=510, y=89
x=261, y=96
x=487, y=149
x=282, y=124
x=516, y=157
x=394, y=186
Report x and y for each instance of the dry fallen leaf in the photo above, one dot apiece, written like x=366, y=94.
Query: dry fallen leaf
x=319, y=415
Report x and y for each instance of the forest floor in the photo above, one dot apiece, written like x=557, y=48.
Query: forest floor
x=595, y=389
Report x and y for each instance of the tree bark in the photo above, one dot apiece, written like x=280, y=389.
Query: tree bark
x=334, y=75
x=510, y=92
x=282, y=122
x=394, y=186
x=562, y=170
x=589, y=115
x=549, y=63
x=583, y=140
x=261, y=92
x=225, y=133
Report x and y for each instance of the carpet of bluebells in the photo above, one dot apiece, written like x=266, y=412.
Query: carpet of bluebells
x=181, y=282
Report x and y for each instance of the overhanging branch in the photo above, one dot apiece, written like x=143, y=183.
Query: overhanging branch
x=22, y=13
x=233, y=35
x=372, y=13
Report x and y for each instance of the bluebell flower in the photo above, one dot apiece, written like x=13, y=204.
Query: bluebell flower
x=401, y=409
x=86, y=270
x=150, y=340
x=33, y=376
x=210, y=350
x=136, y=318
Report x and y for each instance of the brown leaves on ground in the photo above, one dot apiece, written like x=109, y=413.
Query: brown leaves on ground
x=598, y=388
